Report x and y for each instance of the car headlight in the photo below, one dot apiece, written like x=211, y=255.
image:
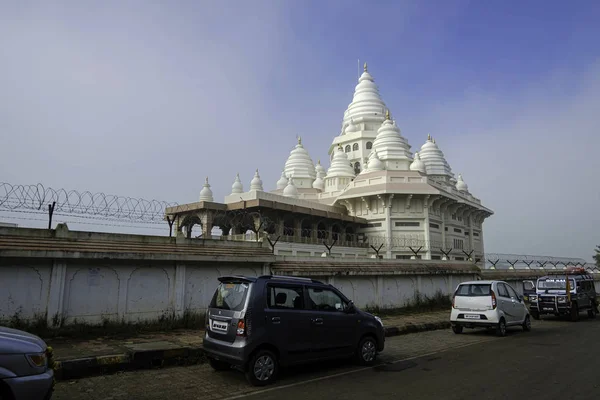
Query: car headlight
x=562, y=299
x=532, y=297
x=37, y=360
x=379, y=320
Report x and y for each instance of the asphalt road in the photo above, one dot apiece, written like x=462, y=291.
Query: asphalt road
x=543, y=364
x=556, y=360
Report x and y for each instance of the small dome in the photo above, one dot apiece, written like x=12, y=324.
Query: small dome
x=389, y=143
x=290, y=190
x=283, y=181
x=434, y=160
x=351, y=127
x=320, y=170
x=256, y=183
x=299, y=164
x=417, y=164
x=319, y=183
x=206, y=194
x=375, y=163
x=461, y=185
x=237, y=186
x=340, y=165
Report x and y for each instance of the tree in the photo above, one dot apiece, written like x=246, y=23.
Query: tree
x=597, y=256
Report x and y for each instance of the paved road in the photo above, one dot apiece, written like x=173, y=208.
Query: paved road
x=439, y=364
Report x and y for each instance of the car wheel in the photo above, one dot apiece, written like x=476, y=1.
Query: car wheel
x=574, y=312
x=262, y=368
x=592, y=311
x=219, y=365
x=501, y=329
x=457, y=329
x=527, y=324
x=366, y=353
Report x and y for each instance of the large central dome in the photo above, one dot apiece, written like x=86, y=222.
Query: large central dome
x=366, y=101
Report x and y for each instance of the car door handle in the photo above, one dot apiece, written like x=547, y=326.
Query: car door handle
x=317, y=321
x=276, y=320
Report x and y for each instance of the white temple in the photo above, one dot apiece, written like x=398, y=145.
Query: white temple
x=376, y=194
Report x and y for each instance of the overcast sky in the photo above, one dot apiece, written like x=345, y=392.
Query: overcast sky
x=146, y=98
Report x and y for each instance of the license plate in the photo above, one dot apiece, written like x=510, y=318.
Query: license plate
x=471, y=316
x=219, y=326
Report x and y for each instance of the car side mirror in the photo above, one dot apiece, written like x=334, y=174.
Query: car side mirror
x=350, y=309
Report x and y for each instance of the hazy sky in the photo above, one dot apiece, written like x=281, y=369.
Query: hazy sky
x=146, y=98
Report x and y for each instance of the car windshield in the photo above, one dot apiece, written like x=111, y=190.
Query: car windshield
x=555, y=283
x=473, y=289
x=230, y=296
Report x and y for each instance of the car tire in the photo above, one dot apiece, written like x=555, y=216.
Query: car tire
x=527, y=324
x=574, y=314
x=592, y=312
x=501, y=328
x=366, y=352
x=457, y=329
x=219, y=365
x=263, y=368
x=5, y=393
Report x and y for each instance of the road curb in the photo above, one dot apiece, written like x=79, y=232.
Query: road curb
x=149, y=359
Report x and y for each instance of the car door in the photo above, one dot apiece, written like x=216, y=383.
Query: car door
x=333, y=329
x=505, y=303
x=518, y=305
x=287, y=321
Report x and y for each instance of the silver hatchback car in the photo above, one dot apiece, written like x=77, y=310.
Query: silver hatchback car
x=25, y=366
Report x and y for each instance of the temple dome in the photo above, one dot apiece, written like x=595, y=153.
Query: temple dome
x=290, y=190
x=375, y=163
x=391, y=146
x=340, y=165
x=461, y=185
x=237, y=186
x=434, y=160
x=206, y=194
x=300, y=166
x=256, y=183
x=418, y=165
x=282, y=182
x=366, y=101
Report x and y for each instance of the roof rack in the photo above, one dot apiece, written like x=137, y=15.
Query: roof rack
x=291, y=278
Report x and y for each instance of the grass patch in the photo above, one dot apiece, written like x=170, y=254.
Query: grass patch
x=420, y=303
x=107, y=328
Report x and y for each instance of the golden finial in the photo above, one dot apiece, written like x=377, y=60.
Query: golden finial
x=387, y=114
x=365, y=67
x=206, y=181
x=429, y=137
x=433, y=141
x=299, y=140
x=319, y=162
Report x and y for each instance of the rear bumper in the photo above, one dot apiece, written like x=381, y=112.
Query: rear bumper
x=33, y=386
x=232, y=353
x=474, y=318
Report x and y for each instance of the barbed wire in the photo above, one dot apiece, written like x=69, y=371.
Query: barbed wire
x=37, y=198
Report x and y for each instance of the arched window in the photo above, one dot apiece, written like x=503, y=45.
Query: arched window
x=369, y=145
x=357, y=168
x=347, y=150
x=355, y=146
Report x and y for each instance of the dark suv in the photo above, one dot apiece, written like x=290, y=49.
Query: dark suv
x=258, y=324
x=552, y=297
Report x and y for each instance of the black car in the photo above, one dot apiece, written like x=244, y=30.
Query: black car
x=552, y=296
x=258, y=324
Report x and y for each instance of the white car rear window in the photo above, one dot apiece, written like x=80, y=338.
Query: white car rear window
x=474, y=290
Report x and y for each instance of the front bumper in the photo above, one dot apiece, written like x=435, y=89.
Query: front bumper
x=33, y=386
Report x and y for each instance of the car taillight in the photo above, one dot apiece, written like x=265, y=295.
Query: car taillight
x=241, y=328
x=493, y=300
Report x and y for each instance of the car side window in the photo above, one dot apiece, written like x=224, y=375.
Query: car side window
x=502, y=291
x=511, y=292
x=324, y=300
x=285, y=297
